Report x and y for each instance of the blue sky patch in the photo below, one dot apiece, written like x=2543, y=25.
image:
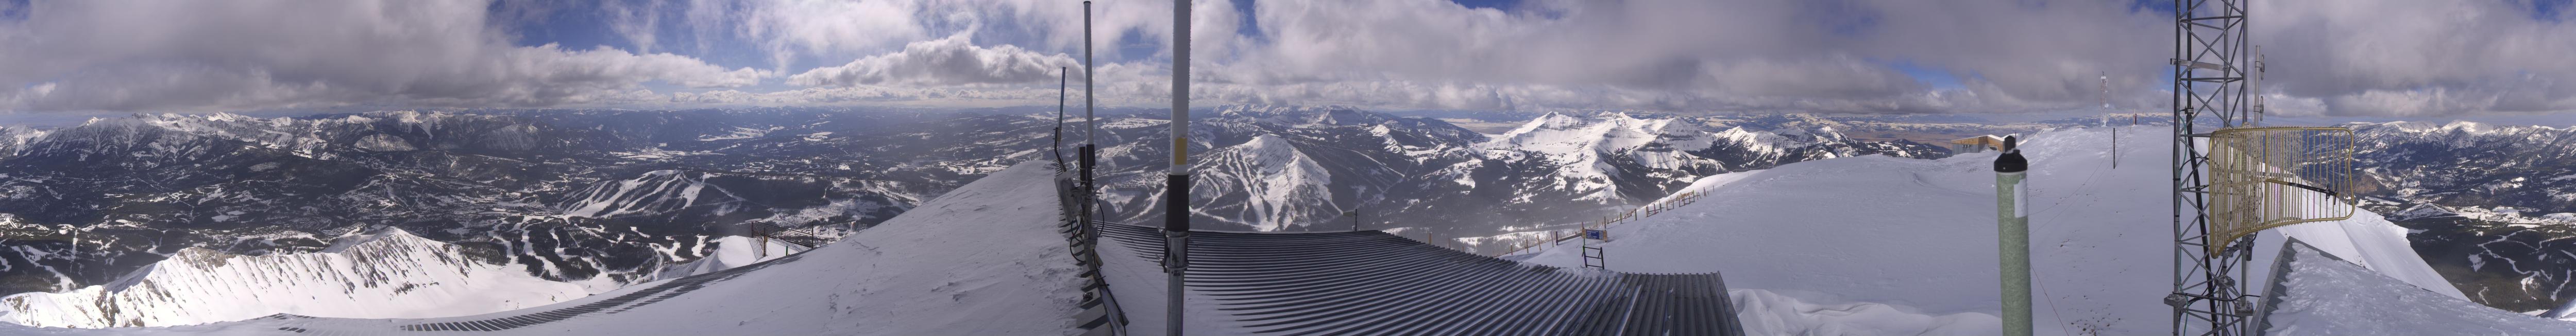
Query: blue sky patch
x=1502, y=5
x=1937, y=78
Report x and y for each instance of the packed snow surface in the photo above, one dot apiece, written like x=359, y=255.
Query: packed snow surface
x=1878, y=245
x=2326, y=296
x=982, y=260
x=386, y=274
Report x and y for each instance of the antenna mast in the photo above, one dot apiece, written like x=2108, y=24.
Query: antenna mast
x=1061, y=76
x=1176, y=187
x=2106, y=90
x=2211, y=79
x=1091, y=124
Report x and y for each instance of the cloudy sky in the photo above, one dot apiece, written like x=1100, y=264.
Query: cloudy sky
x=2385, y=58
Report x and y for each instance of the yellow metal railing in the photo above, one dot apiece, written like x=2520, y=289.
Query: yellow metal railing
x=2268, y=177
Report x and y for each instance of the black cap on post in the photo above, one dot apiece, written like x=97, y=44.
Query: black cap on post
x=2011, y=161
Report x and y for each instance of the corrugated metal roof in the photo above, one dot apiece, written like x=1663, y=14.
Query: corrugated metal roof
x=1373, y=283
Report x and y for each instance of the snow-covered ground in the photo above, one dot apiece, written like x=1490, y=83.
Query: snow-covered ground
x=1889, y=246
x=2326, y=296
x=982, y=260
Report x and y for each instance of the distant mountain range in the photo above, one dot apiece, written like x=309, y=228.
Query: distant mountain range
x=618, y=195
x=1299, y=167
x=2493, y=207
x=587, y=194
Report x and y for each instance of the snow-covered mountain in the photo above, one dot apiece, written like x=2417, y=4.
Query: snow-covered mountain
x=1267, y=181
x=388, y=273
x=983, y=259
x=2470, y=164
x=569, y=195
x=1589, y=155
x=2490, y=205
x=1558, y=168
x=617, y=196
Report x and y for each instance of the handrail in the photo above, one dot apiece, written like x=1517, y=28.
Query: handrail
x=1633, y=214
x=1083, y=236
x=767, y=231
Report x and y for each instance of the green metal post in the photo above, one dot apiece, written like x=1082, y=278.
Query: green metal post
x=2012, y=214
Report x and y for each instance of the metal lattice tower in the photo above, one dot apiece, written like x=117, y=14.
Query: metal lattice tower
x=2213, y=73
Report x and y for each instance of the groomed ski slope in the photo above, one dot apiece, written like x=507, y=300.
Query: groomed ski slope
x=982, y=260
x=1890, y=246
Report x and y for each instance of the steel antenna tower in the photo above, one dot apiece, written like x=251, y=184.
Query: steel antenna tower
x=2211, y=71
x=2106, y=90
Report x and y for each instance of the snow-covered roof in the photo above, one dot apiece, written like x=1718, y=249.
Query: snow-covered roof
x=1371, y=282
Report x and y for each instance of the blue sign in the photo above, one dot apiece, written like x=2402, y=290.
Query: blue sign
x=1595, y=234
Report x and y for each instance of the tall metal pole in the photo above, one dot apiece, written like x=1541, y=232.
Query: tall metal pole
x=1176, y=199
x=2211, y=80
x=1091, y=124
x=1090, y=149
x=2012, y=216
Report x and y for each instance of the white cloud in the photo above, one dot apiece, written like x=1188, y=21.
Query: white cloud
x=1676, y=55
x=2383, y=57
x=941, y=62
x=2374, y=57
x=2416, y=58
x=152, y=55
x=637, y=22
x=790, y=27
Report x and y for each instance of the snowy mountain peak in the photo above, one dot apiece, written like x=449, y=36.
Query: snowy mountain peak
x=385, y=235
x=1568, y=138
x=1269, y=183
x=1267, y=143
x=2464, y=126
